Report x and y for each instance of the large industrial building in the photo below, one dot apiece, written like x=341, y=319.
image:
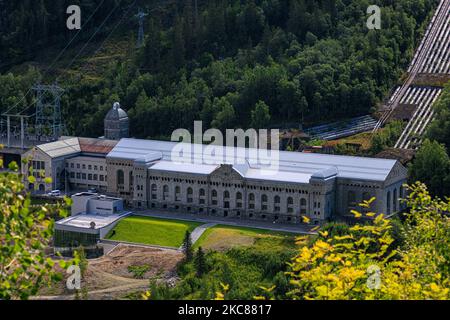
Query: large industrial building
x=145, y=175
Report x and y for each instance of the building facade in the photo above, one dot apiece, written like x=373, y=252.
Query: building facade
x=313, y=185
x=72, y=163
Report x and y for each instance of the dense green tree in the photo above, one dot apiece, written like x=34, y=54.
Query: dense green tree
x=432, y=167
x=309, y=61
x=260, y=116
x=439, y=129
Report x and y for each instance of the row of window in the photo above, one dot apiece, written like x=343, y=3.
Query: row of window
x=226, y=199
x=228, y=185
x=84, y=166
x=89, y=177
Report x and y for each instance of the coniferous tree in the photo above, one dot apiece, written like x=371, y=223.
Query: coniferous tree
x=187, y=247
x=200, y=262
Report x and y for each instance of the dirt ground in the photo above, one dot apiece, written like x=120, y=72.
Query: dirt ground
x=108, y=277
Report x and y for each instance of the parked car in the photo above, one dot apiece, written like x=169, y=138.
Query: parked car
x=54, y=193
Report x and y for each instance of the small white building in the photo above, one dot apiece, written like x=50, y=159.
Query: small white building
x=93, y=217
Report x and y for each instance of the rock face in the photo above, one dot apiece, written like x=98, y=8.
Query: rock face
x=117, y=123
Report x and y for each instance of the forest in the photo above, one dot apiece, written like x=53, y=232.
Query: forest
x=230, y=63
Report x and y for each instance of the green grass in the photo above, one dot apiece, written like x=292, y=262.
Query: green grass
x=152, y=231
x=223, y=237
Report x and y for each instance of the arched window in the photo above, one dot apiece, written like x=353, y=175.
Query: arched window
x=226, y=195
x=394, y=200
x=154, y=191
x=177, y=193
x=276, y=206
x=303, y=202
x=120, y=177
x=388, y=202
x=264, y=198
x=351, y=199
x=238, y=200
x=214, y=197
x=165, y=192
x=290, y=201
x=251, y=201
x=202, y=192
x=190, y=194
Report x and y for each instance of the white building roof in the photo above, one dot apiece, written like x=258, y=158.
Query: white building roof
x=184, y=167
x=304, y=165
x=61, y=148
x=84, y=221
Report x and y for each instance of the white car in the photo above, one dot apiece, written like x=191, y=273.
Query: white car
x=54, y=193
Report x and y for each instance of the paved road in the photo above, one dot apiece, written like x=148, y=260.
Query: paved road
x=198, y=232
x=298, y=229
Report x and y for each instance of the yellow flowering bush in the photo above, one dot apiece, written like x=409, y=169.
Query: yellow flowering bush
x=364, y=264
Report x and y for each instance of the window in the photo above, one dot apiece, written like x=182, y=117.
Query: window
x=202, y=192
x=177, y=193
x=83, y=176
x=101, y=168
x=303, y=202
x=102, y=177
x=190, y=194
x=84, y=166
x=95, y=177
x=165, y=193
x=78, y=175
x=78, y=166
x=120, y=177
x=226, y=195
x=251, y=201
x=96, y=168
x=264, y=198
x=389, y=202
x=290, y=204
x=154, y=190
x=90, y=176
x=351, y=199
x=394, y=200
x=72, y=165
x=72, y=175
x=90, y=167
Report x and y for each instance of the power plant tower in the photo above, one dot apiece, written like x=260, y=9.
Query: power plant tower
x=48, y=111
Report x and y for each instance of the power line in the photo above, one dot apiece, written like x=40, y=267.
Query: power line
x=93, y=35
x=85, y=45
x=58, y=56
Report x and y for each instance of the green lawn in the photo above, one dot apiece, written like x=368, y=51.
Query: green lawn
x=223, y=237
x=152, y=231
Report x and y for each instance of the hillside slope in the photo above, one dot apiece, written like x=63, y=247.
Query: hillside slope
x=229, y=63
